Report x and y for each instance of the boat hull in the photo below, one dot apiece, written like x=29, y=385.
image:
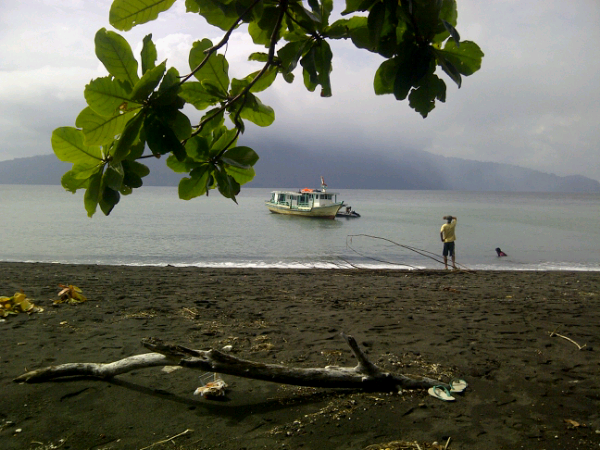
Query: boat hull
x=345, y=214
x=324, y=212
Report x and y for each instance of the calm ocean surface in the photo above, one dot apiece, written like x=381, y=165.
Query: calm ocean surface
x=153, y=227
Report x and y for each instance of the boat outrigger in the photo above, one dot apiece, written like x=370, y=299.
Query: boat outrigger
x=306, y=202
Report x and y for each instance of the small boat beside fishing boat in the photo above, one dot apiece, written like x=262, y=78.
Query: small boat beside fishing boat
x=305, y=202
x=347, y=211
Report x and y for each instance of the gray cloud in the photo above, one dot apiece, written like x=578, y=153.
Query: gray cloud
x=534, y=103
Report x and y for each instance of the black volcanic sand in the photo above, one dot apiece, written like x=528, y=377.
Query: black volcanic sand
x=527, y=389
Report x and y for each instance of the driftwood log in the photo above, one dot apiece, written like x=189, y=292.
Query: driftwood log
x=365, y=375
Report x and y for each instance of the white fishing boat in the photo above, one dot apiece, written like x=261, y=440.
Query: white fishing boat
x=305, y=202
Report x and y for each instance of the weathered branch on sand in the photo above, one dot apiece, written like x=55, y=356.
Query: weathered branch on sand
x=579, y=347
x=365, y=375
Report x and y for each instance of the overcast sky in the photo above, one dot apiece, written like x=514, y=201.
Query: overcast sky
x=534, y=103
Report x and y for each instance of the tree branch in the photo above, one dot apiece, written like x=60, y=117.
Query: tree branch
x=365, y=375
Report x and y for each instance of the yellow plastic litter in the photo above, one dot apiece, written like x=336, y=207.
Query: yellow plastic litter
x=70, y=294
x=16, y=304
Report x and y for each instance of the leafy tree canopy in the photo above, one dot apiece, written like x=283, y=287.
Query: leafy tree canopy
x=136, y=110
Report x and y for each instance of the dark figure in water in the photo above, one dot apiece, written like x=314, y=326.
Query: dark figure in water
x=500, y=252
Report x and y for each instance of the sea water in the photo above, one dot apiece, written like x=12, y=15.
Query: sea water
x=397, y=229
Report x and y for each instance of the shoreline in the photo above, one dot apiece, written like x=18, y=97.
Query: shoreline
x=492, y=328
x=317, y=266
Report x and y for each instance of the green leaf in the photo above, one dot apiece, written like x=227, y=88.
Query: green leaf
x=137, y=150
x=325, y=10
x=256, y=112
x=291, y=53
x=375, y=22
x=384, y=29
x=132, y=181
x=466, y=58
x=258, y=56
x=311, y=77
x=398, y=75
x=133, y=172
x=108, y=200
x=448, y=15
x=323, y=57
x=148, y=82
x=107, y=97
x=307, y=20
x=226, y=184
x=317, y=67
x=242, y=176
x=220, y=14
x=195, y=93
x=72, y=183
x=450, y=70
x=149, y=54
x=92, y=193
x=68, y=145
x=261, y=84
x=262, y=29
x=426, y=16
x=215, y=70
x=180, y=124
x=214, y=90
x=123, y=146
x=422, y=98
x=288, y=77
x=356, y=28
x=223, y=138
x=449, y=12
x=352, y=6
x=208, y=126
x=385, y=76
x=113, y=176
x=85, y=171
x=241, y=157
x=179, y=166
x=135, y=167
x=198, y=149
x=358, y=5
x=99, y=130
x=452, y=31
x=161, y=139
x=196, y=185
x=125, y=14
x=169, y=89
x=116, y=55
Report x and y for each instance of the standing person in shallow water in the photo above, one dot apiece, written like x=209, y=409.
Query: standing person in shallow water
x=448, y=237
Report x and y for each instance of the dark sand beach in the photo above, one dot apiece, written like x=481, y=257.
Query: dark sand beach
x=527, y=389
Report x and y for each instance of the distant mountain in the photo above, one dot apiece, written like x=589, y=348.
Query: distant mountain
x=284, y=166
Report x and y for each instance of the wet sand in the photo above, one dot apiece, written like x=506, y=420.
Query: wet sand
x=527, y=389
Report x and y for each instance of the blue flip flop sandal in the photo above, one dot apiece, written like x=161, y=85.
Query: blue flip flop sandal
x=441, y=392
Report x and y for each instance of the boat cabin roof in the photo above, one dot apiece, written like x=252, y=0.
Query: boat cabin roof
x=305, y=191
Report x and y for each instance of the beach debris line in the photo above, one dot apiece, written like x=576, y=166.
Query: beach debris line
x=16, y=304
x=572, y=424
x=171, y=439
x=365, y=375
x=407, y=445
x=70, y=294
x=214, y=388
x=579, y=347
